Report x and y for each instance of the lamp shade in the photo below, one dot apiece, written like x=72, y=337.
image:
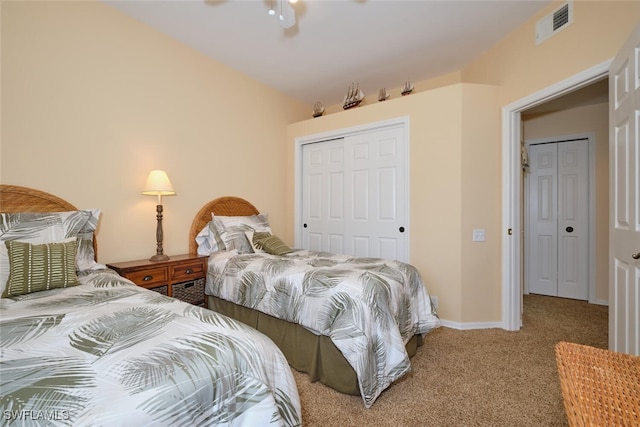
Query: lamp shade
x=158, y=184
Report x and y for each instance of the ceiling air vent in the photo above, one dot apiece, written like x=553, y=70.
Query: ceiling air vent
x=554, y=22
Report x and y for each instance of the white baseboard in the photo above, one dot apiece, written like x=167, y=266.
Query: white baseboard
x=488, y=325
x=471, y=325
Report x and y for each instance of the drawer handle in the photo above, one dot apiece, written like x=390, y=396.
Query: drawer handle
x=189, y=270
x=147, y=278
x=188, y=285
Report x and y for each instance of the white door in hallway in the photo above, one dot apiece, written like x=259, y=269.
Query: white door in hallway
x=354, y=194
x=558, y=230
x=624, y=195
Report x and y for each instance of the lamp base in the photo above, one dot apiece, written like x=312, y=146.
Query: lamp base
x=160, y=257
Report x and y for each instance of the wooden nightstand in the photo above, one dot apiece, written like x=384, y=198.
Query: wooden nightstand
x=181, y=277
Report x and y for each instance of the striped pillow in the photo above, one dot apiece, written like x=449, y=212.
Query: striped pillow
x=270, y=243
x=34, y=268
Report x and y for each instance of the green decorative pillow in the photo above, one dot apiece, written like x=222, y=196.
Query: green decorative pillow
x=270, y=243
x=34, y=268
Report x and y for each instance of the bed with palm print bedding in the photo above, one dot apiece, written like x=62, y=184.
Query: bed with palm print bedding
x=81, y=346
x=109, y=352
x=370, y=308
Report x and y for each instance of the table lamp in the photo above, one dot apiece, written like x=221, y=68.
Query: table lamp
x=158, y=184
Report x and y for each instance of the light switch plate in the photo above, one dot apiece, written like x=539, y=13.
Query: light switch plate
x=478, y=235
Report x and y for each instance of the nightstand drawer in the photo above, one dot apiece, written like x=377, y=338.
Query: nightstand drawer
x=187, y=271
x=148, y=276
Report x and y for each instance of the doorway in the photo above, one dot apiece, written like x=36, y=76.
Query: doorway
x=512, y=185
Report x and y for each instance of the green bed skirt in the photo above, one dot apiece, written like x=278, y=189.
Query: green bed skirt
x=305, y=351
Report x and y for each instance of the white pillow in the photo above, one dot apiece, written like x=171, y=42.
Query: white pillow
x=221, y=223
x=259, y=221
x=206, y=242
x=209, y=240
x=235, y=238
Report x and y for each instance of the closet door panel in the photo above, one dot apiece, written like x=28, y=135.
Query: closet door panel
x=573, y=219
x=543, y=239
x=377, y=163
x=323, y=196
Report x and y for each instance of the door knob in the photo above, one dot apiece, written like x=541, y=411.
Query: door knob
x=569, y=229
x=401, y=229
x=636, y=255
x=304, y=225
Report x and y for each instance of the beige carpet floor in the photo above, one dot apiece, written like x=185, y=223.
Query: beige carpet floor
x=488, y=377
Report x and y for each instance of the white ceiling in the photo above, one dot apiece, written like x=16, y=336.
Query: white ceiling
x=334, y=43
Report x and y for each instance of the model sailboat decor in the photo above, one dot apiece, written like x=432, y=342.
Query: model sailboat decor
x=383, y=95
x=407, y=88
x=318, y=109
x=354, y=96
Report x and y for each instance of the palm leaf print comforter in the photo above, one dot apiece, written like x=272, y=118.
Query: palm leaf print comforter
x=107, y=352
x=370, y=308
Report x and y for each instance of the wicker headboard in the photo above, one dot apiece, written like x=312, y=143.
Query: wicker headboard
x=14, y=198
x=226, y=206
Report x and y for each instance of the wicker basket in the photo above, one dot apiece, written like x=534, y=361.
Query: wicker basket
x=164, y=290
x=191, y=292
x=599, y=387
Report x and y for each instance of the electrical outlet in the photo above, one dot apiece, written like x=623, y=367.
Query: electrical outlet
x=478, y=235
x=434, y=301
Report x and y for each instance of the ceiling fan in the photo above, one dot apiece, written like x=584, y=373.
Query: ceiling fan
x=285, y=12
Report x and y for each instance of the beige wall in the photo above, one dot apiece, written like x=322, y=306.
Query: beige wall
x=580, y=120
x=481, y=177
x=521, y=68
x=92, y=100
